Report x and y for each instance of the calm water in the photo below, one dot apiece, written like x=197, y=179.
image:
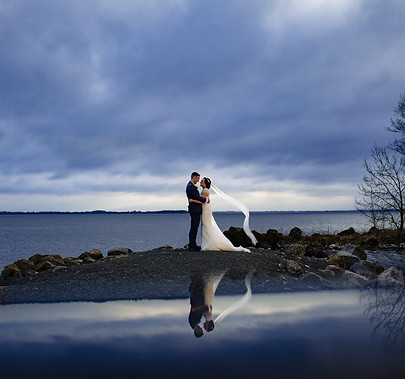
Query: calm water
x=339, y=334
x=24, y=235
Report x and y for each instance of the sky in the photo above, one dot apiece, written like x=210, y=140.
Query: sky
x=112, y=104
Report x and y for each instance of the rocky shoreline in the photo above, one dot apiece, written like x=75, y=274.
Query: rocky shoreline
x=279, y=262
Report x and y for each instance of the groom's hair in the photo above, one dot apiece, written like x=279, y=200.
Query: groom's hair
x=194, y=174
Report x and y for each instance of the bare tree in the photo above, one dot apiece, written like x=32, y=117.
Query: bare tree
x=382, y=193
x=398, y=126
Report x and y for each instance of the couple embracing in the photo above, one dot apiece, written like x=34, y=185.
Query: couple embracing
x=200, y=210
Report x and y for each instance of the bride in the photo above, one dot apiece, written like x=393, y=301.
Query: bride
x=212, y=237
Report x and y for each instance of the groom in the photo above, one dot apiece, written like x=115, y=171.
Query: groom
x=195, y=210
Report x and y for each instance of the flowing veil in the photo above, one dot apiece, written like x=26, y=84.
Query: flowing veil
x=242, y=207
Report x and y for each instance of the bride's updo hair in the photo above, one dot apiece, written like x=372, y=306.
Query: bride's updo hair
x=207, y=182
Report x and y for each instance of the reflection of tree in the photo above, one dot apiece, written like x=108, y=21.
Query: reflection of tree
x=387, y=312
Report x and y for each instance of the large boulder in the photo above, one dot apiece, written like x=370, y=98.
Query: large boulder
x=343, y=259
x=11, y=274
x=347, y=232
x=295, y=233
x=237, y=236
x=359, y=252
x=55, y=259
x=37, y=258
x=273, y=238
x=370, y=270
x=94, y=254
x=351, y=279
x=370, y=243
x=24, y=266
x=125, y=250
x=315, y=249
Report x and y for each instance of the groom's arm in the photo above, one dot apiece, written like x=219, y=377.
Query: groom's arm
x=193, y=193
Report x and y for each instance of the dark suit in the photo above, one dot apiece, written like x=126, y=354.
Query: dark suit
x=195, y=211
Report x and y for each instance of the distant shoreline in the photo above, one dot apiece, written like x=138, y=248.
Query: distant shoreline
x=5, y=213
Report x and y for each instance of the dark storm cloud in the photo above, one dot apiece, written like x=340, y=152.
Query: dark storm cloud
x=135, y=88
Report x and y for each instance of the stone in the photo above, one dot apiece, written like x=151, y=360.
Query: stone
x=166, y=247
x=370, y=270
x=347, y=232
x=237, y=236
x=359, y=252
x=391, y=277
x=273, y=238
x=11, y=274
x=55, y=259
x=370, y=243
x=94, y=254
x=342, y=259
x=295, y=233
x=43, y=266
x=352, y=279
x=24, y=266
x=316, y=250
x=88, y=260
x=125, y=250
x=37, y=258
x=294, y=267
x=297, y=249
x=72, y=261
x=338, y=271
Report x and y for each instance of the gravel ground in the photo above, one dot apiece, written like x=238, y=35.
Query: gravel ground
x=160, y=274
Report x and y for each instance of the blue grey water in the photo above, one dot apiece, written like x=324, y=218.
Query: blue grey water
x=71, y=234
x=330, y=334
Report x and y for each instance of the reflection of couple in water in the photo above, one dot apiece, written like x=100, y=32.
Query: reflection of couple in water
x=202, y=291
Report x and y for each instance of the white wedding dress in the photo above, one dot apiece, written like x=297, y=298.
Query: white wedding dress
x=212, y=237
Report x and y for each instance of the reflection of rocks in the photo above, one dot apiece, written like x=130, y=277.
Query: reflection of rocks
x=386, y=307
x=391, y=277
x=368, y=269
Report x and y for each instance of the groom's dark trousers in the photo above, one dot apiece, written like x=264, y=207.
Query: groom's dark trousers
x=195, y=211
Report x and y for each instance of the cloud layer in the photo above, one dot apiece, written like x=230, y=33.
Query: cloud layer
x=119, y=101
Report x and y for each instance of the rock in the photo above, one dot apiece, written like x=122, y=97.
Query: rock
x=347, y=232
x=294, y=267
x=295, y=233
x=166, y=247
x=24, y=266
x=261, y=240
x=72, y=261
x=59, y=268
x=237, y=236
x=125, y=250
x=352, y=279
x=94, y=254
x=55, y=259
x=88, y=260
x=373, y=230
x=343, y=259
x=316, y=250
x=368, y=269
x=273, y=238
x=390, y=277
x=370, y=243
x=297, y=249
x=359, y=252
x=37, y=258
x=43, y=266
x=11, y=274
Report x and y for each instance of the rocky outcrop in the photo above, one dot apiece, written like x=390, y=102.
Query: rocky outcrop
x=390, y=277
x=343, y=259
x=315, y=249
x=10, y=275
x=122, y=251
x=91, y=256
x=359, y=252
x=370, y=270
x=295, y=233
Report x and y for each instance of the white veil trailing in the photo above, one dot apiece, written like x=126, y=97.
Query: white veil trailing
x=242, y=207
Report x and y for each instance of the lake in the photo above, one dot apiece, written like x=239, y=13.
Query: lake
x=71, y=234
